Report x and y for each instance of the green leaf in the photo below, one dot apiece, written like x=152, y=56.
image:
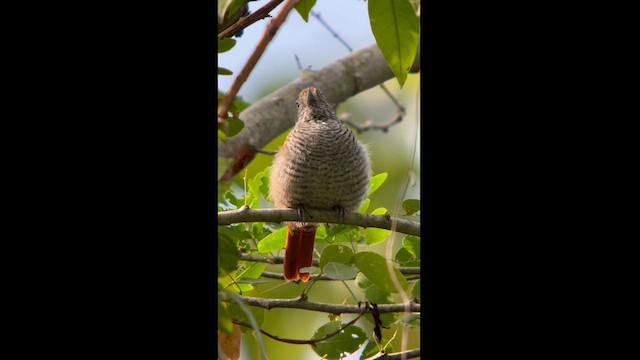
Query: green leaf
x=232, y=126
x=376, y=181
x=238, y=106
x=304, y=7
x=227, y=8
x=233, y=200
x=321, y=233
x=364, y=206
x=342, y=233
x=362, y=281
x=375, y=235
x=387, y=318
x=228, y=254
x=251, y=270
x=413, y=320
x=224, y=319
x=274, y=241
x=415, y=291
x=223, y=71
x=340, y=271
x=237, y=313
x=340, y=345
x=259, y=184
x=372, y=349
x=411, y=206
x=396, y=28
x=258, y=230
x=225, y=44
x=335, y=253
x=222, y=136
x=412, y=244
x=376, y=295
x=232, y=285
x=375, y=267
x=404, y=258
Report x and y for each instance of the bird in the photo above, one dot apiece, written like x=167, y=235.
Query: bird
x=320, y=166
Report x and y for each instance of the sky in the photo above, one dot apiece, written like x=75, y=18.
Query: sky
x=349, y=18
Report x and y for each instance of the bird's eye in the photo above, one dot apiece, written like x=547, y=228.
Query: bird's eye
x=298, y=105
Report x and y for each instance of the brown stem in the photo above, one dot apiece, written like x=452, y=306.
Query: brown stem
x=267, y=36
x=249, y=19
x=246, y=214
x=317, y=306
x=305, y=342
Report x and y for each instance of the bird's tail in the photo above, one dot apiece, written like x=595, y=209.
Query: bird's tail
x=299, y=252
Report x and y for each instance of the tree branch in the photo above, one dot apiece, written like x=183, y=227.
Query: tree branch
x=246, y=214
x=317, y=306
x=280, y=260
x=245, y=21
x=370, y=124
x=396, y=356
x=270, y=116
x=267, y=36
x=310, y=341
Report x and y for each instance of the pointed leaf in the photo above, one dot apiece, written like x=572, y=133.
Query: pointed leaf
x=415, y=290
x=338, y=346
x=225, y=44
x=224, y=318
x=304, y=7
x=374, y=266
x=405, y=258
x=339, y=271
x=223, y=71
x=228, y=254
x=411, y=206
x=335, y=253
x=274, y=241
x=396, y=28
x=364, y=206
x=376, y=181
x=412, y=244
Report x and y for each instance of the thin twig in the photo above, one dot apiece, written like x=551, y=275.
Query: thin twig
x=305, y=342
x=249, y=19
x=266, y=152
x=317, y=306
x=410, y=354
x=267, y=36
x=369, y=124
x=333, y=32
x=246, y=214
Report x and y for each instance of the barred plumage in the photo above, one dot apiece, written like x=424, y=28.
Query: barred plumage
x=321, y=165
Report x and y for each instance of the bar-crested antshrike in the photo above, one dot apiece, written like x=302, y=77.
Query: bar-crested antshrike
x=320, y=166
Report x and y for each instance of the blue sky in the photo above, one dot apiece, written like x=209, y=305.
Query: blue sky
x=314, y=45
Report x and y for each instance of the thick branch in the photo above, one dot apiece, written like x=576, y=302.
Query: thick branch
x=272, y=115
x=246, y=214
x=316, y=306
